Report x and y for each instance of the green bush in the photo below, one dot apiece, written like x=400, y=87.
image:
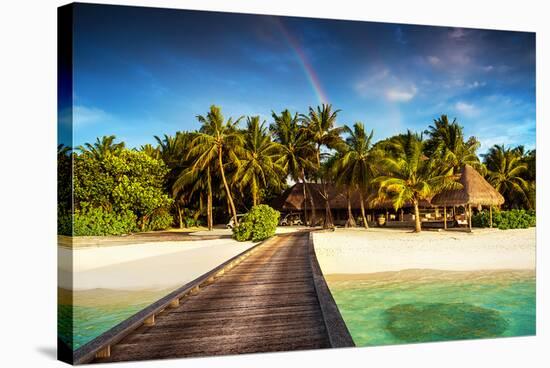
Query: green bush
x=259, y=224
x=120, y=183
x=160, y=221
x=191, y=222
x=92, y=221
x=513, y=219
x=64, y=223
x=243, y=232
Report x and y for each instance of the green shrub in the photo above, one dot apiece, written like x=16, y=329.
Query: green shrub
x=64, y=223
x=124, y=181
x=243, y=232
x=191, y=222
x=513, y=219
x=92, y=221
x=259, y=224
x=160, y=221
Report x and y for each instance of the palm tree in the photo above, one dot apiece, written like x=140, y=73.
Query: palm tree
x=506, y=171
x=150, y=151
x=408, y=176
x=217, y=140
x=530, y=159
x=260, y=165
x=191, y=181
x=320, y=126
x=64, y=178
x=356, y=166
x=297, y=153
x=447, y=143
x=102, y=147
x=173, y=151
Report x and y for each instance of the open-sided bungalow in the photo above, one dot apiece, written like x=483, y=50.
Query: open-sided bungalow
x=476, y=192
x=446, y=209
x=292, y=201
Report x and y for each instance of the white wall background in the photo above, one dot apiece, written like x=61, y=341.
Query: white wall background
x=27, y=181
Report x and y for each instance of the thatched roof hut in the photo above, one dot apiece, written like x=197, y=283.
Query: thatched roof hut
x=475, y=191
x=292, y=199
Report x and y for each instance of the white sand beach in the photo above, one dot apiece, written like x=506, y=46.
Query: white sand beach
x=158, y=265
x=149, y=265
x=357, y=251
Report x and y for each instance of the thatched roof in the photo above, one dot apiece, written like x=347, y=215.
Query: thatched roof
x=292, y=199
x=475, y=191
x=387, y=204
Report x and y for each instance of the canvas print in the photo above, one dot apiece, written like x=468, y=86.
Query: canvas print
x=235, y=183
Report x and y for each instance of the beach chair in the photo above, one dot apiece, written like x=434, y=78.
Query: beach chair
x=461, y=221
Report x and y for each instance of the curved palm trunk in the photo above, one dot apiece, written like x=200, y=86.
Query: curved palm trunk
x=351, y=221
x=304, y=192
x=209, y=201
x=227, y=191
x=365, y=222
x=417, y=227
x=254, y=198
x=254, y=189
x=312, y=219
x=329, y=224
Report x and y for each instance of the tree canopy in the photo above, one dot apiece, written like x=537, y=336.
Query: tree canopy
x=230, y=165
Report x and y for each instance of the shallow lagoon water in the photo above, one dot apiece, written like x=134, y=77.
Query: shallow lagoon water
x=428, y=305
x=379, y=309
x=87, y=314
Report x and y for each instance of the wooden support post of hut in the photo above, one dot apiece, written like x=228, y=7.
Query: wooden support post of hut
x=470, y=216
x=491, y=216
x=445, y=217
x=475, y=191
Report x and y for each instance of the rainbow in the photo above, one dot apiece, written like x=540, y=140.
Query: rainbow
x=310, y=73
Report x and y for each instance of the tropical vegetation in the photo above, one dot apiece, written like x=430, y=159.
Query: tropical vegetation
x=512, y=219
x=258, y=224
x=233, y=165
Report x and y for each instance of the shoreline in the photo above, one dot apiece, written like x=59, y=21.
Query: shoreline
x=427, y=275
x=147, y=266
x=360, y=251
x=153, y=237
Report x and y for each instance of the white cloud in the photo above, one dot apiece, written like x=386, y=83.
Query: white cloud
x=457, y=33
x=382, y=83
x=434, y=60
x=507, y=133
x=476, y=84
x=84, y=115
x=401, y=95
x=466, y=108
x=488, y=68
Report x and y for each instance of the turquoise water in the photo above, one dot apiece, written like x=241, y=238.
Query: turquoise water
x=379, y=309
x=87, y=314
x=421, y=305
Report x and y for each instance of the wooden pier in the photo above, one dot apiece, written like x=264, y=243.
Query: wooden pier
x=272, y=297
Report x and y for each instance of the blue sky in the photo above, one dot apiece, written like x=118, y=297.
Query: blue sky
x=140, y=72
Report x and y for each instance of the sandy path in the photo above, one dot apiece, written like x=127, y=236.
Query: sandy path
x=355, y=251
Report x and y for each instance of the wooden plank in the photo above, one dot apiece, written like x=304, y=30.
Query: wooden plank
x=254, y=327
x=267, y=301
x=207, y=349
x=86, y=353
